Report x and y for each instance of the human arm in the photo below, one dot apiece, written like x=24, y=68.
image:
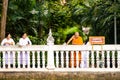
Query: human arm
x=29, y=42
x=12, y=42
x=3, y=42
x=21, y=42
x=7, y=42
x=70, y=39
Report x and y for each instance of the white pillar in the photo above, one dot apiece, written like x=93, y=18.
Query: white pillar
x=38, y=58
x=14, y=62
x=92, y=59
x=97, y=59
x=8, y=59
x=62, y=59
x=103, y=59
x=113, y=59
x=57, y=59
x=28, y=57
x=67, y=59
x=77, y=59
x=33, y=59
x=18, y=59
x=108, y=59
x=3, y=59
x=118, y=59
x=87, y=59
x=43, y=59
x=72, y=59
x=24, y=58
x=50, y=55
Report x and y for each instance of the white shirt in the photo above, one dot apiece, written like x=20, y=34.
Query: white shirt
x=24, y=42
x=4, y=41
x=88, y=43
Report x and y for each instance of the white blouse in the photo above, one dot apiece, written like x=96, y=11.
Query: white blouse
x=4, y=41
x=24, y=42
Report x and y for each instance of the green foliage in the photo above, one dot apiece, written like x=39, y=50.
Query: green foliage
x=99, y=15
x=36, y=40
x=36, y=17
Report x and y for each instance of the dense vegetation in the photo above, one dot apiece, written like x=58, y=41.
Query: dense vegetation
x=64, y=17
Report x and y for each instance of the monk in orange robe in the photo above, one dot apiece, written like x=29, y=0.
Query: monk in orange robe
x=76, y=40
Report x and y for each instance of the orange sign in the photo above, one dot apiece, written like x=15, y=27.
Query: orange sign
x=97, y=39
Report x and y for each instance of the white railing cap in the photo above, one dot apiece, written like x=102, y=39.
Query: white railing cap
x=61, y=48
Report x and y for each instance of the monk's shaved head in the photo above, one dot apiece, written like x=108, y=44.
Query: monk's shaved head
x=76, y=34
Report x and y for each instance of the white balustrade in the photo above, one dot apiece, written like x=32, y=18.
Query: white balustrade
x=42, y=58
x=97, y=58
x=19, y=59
x=67, y=59
x=57, y=59
x=87, y=59
x=108, y=59
x=33, y=59
x=24, y=53
x=14, y=62
x=8, y=52
x=4, y=59
x=113, y=59
x=28, y=57
x=62, y=59
x=38, y=59
x=118, y=59
x=72, y=59
x=103, y=59
x=92, y=59
x=77, y=59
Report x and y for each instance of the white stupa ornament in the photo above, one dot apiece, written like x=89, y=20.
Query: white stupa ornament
x=50, y=39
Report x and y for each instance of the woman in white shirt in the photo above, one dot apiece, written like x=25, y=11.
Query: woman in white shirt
x=24, y=41
x=8, y=41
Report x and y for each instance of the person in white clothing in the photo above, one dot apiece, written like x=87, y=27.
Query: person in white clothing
x=24, y=41
x=85, y=56
x=8, y=41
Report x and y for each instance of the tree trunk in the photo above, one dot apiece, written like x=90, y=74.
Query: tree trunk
x=3, y=19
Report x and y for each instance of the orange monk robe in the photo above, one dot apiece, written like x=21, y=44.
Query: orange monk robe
x=76, y=41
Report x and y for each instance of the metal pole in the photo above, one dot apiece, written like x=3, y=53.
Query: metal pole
x=115, y=27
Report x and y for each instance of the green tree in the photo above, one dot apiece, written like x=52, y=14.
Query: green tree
x=65, y=17
x=3, y=19
x=99, y=15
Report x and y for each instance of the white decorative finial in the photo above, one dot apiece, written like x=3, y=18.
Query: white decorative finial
x=50, y=39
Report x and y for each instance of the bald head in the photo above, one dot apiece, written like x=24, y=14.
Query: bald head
x=76, y=34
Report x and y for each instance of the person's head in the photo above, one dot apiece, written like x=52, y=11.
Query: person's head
x=76, y=34
x=7, y=35
x=24, y=35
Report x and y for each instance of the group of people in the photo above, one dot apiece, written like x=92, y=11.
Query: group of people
x=76, y=39
x=8, y=41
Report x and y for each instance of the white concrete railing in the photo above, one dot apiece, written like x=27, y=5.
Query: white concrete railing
x=57, y=58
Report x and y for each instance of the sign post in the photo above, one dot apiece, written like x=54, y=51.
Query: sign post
x=98, y=40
